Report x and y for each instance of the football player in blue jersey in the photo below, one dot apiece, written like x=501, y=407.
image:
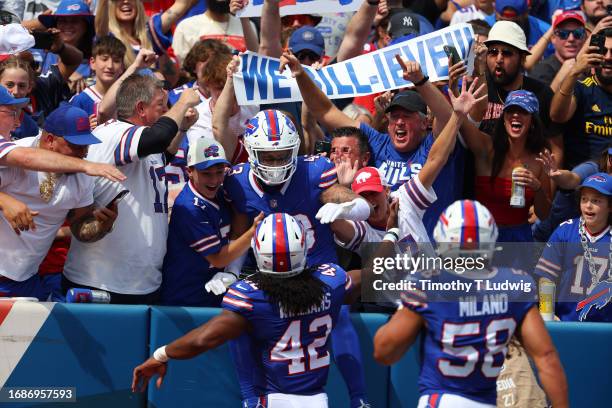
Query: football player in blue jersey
x=293, y=308
x=277, y=179
x=577, y=258
x=198, y=234
x=465, y=340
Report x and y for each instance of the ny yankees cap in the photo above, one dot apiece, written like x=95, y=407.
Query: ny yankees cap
x=72, y=124
x=523, y=99
x=369, y=179
x=307, y=38
x=403, y=23
x=601, y=182
x=204, y=153
x=409, y=100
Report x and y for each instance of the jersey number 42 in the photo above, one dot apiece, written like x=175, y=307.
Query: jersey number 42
x=290, y=348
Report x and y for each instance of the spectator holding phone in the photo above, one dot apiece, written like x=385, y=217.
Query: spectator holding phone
x=75, y=24
x=586, y=106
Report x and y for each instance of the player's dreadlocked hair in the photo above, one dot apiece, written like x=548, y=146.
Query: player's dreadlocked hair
x=296, y=295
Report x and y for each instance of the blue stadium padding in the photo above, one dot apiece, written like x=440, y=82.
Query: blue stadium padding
x=376, y=376
x=206, y=381
x=91, y=347
x=586, y=354
x=403, y=377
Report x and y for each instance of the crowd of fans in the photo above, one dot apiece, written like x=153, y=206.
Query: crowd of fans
x=148, y=87
x=165, y=71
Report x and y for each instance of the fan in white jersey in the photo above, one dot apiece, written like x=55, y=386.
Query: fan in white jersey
x=53, y=198
x=414, y=196
x=128, y=262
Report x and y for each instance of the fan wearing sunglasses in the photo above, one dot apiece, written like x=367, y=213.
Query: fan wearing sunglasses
x=568, y=37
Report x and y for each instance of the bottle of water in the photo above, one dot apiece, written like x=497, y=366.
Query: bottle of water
x=79, y=295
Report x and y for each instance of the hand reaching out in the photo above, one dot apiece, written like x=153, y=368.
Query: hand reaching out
x=548, y=163
x=454, y=73
x=345, y=171
x=411, y=69
x=382, y=101
x=467, y=99
x=290, y=60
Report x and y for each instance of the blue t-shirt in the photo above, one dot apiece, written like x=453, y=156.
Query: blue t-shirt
x=400, y=167
x=198, y=227
x=299, y=197
x=294, y=350
x=589, y=130
x=466, y=341
x=563, y=262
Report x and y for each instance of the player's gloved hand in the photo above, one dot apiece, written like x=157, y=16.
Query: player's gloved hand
x=220, y=282
x=356, y=210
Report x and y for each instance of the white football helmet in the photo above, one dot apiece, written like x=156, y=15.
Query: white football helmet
x=280, y=246
x=466, y=229
x=272, y=131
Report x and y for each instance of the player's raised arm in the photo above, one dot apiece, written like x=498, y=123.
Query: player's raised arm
x=226, y=326
x=537, y=342
x=394, y=338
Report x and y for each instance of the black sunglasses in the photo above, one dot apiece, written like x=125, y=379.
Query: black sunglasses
x=564, y=34
x=303, y=55
x=505, y=53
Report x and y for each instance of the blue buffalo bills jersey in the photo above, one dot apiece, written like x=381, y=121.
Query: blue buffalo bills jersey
x=400, y=167
x=198, y=227
x=88, y=100
x=298, y=197
x=563, y=262
x=294, y=350
x=466, y=340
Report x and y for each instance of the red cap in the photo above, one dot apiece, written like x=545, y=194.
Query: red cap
x=569, y=15
x=368, y=179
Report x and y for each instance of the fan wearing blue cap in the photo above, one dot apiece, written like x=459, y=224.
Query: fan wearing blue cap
x=49, y=198
x=575, y=260
x=510, y=158
x=75, y=22
x=198, y=241
x=10, y=112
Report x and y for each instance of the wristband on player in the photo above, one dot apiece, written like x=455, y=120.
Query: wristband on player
x=392, y=235
x=160, y=355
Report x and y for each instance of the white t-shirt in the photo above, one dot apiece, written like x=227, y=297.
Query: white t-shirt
x=203, y=127
x=129, y=259
x=22, y=254
x=201, y=27
x=466, y=14
x=414, y=199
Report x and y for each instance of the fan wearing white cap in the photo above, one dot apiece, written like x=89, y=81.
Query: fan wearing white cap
x=465, y=333
x=198, y=245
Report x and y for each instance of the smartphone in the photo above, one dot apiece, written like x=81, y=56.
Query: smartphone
x=599, y=40
x=452, y=53
x=609, y=9
x=42, y=40
x=322, y=146
x=118, y=198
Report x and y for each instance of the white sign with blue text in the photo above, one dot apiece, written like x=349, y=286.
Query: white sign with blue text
x=291, y=7
x=258, y=80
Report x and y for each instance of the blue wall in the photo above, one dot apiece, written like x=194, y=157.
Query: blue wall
x=95, y=347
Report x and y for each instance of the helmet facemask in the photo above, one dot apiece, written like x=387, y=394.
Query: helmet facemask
x=273, y=167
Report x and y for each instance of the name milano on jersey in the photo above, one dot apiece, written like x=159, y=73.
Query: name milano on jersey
x=129, y=259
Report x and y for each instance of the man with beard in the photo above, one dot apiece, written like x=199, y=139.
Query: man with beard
x=594, y=10
x=506, y=53
x=586, y=105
